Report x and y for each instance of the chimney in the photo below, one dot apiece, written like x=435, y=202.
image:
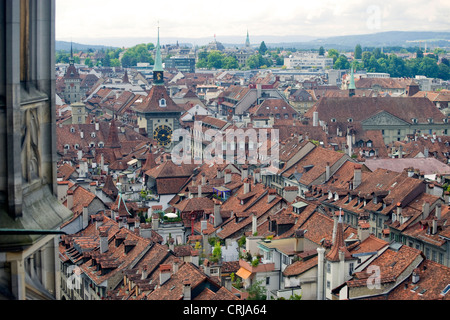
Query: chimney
x=320, y=272
x=425, y=209
x=203, y=179
x=357, y=176
x=187, y=289
x=199, y=188
x=438, y=211
x=415, y=276
x=315, y=119
x=434, y=226
x=246, y=186
x=299, y=240
x=254, y=223
x=203, y=225
x=70, y=199
x=349, y=144
x=327, y=172
x=257, y=175
x=425, y=152
x=363, y=230
x=217, y=216
x=80, y=154
x=244, y=172
x=399, y=209
x=400, y=152
x=103, y=241
x=97, y=126
x=176, y=265
x=155, y=221
x=144, y=272
x=164, y=273
x=85, y=217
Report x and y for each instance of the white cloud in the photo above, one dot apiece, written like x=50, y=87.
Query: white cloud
x=85, y=19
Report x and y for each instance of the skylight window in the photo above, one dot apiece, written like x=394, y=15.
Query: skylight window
x=446, y=290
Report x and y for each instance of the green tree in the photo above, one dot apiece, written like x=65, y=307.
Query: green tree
x=444, y=71
x=333, y=53
x=419, y=54
x=217, y=252
x=88, y=62
x=115, y=63
x=230, y=62
x=136, y=54
x=257, y=291
x=341, y=63
x=358, y=52
x=215, y=59
x=428, y=67
x=262, y=48
x=321, y=51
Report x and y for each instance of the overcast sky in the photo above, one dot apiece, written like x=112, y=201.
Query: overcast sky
x=88, y=21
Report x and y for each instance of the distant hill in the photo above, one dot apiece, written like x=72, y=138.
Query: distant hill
x=65, y=45
x=384, y=39
x=348, y=42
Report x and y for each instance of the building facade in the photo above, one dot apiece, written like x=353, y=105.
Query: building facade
x=30, y=214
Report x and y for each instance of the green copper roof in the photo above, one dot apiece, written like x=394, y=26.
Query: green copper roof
x=352, y=81
x=158, y=60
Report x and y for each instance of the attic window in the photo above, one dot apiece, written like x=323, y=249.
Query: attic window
x=445, y=120
x=430, y=120
x=162, y=103
x=93, y=134
x=414, y=120
x=350, y=119
x=333, y=119
x=72, y=129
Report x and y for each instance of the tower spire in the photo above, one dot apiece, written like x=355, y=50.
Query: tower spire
x=158, y=68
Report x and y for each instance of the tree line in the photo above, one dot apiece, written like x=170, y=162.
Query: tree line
x=377, y=61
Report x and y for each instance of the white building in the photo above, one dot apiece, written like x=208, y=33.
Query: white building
x=308, y=61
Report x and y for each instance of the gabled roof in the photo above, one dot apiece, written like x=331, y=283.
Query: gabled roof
x=151, y=103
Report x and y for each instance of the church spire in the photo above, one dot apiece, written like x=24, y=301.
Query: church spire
x=158, y=68
x=351, y=86
x=247, y=41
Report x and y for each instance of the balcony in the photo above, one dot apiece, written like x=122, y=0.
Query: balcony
x=261, y=267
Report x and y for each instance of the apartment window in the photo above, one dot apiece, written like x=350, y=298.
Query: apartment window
x=441, y=258
x=328, y=267
x=351, y=268
x=267, y=281
x=427, y=253
x=434, y=256
x=328, y=284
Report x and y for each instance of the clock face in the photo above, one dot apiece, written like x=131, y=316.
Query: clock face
x=163, y=134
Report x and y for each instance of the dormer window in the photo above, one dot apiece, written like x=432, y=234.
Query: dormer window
x=93, y=134
x=414, y=120
x=72, y=129
x=162, y=103
x=333, y=120
x=350, y=119
x=430, y=120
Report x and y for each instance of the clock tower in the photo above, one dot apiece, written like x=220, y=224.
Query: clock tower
x=158, y=114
